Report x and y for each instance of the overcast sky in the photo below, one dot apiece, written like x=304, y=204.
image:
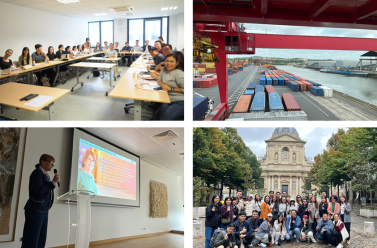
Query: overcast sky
x=314, y=31
x=316, y=138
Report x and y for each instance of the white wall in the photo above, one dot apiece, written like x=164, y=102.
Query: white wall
x=120, y=32
x=107, y=222
x=23, y=27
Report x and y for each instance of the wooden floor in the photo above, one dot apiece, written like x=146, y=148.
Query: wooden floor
x=165, y=240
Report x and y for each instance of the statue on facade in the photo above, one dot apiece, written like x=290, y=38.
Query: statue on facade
x=294, y=156
x=276, y=156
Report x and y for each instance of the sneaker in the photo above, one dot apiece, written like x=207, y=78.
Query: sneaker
x=340, y=246
x=297, y=241
x=102, y=76
x=251, y=245
x=329, y=245
x=262, y=244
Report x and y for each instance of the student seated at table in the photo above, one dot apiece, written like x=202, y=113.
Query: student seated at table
x=116, y=45
x=166, y=50
x=75, y=51
x=5, y=62
x=127, y=48
x=111, y=52
x=62, y=68
x=84, y=50
x=136, y=48
x=79, y=49
x=146, y=48
x=98, y=48
x=50, y=53
x=162, y=41
x=40, y=57
x=158, y=45
x=25, y=58
x=158, y=68
x=88, y=45
x=171, y=79
x=105, y=46
x=158, y=58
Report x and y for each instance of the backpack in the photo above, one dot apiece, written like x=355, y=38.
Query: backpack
x=96, y=73
x=215, y=233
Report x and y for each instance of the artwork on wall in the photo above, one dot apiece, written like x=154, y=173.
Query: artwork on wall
x=159, y=207
x=11, y=144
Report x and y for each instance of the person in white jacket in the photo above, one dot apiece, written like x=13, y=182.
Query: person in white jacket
x=250, y=206
x=279, y=231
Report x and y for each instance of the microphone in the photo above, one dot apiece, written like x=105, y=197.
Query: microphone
x=56, y=171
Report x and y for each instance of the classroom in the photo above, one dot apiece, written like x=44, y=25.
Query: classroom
x=91, y=60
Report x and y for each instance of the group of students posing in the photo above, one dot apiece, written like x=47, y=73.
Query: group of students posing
x=251, y=222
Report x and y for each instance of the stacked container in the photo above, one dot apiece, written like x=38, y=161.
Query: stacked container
x=275, y=103
x=243, y=104
x=327, y=92
x=258, y=103
x=317, y=91
x=290, y=103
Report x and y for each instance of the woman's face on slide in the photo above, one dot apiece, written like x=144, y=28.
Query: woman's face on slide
x=90, y=162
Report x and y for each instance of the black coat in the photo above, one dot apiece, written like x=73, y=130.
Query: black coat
x=302, y=210
x=213, y=217
x=256, y=224
x=275, y=214
x=235, y=212
x=321, y=212
x=41, y=192
x=149, y=47
x=307, y=228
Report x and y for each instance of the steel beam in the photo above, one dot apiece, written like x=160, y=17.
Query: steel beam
x=364, y=13
x=320, y=6
x=314, y=42
x=264, y=6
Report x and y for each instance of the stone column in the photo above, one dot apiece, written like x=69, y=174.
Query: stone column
x=290, y=185
x=299, y=185
x=268, y=185
x=279, y=186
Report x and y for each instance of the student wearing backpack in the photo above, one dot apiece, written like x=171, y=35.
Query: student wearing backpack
x=243, y=230
x=213, y=216
x=224, y=239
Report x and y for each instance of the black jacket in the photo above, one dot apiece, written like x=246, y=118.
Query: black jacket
x=275, y=214
x=149, y=47
x=302, y=211
x=213, y=217
x=235, y=212
x=59, y=54
x=321, y=212
x=51, y=56
x=41, y=192
x=256, y=224
x=307, y=228
x=159, y=58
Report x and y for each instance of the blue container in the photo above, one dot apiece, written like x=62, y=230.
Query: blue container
x=240, y=67
x=258, y=104
x=194, y=86
x=275, y=81
x=315, y=90
x=275, y=103
x=314, y=83
x=281, y=81
x=200, y=107
x=230, y=69
x=249, y=92
x=259, y=88
x=294, y=86
x=262, y=81
x=269, y=81
x=230, y=72
x=251, y=86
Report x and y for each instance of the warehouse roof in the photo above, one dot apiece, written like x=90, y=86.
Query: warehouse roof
x=370, y=54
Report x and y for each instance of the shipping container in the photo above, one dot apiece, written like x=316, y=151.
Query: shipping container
x=251, y=86
x=271, y=116
x=200, y=107
x=230, y=72
x=327, y=92
x=258, y=104
x=249, y=92
x=275, y=103
x=259, y=88
x=302, y=85
x=210, y=65
x=243, y=104
x=262, y=72
x=316, y=91
x=268, y=89
x=210, y=70
x=281, y=80
x=294, y=86
x=275, y=81
x=262, y=81
x=268, y=81
x=289, y=102
x=208, y=82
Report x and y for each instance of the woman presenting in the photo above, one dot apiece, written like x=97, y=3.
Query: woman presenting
x=41, y=198
x=85, y=180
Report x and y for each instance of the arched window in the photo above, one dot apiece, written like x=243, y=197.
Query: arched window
x=285, y=149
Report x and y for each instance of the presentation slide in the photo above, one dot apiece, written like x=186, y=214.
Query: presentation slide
x=105, y=173
x=109, y=171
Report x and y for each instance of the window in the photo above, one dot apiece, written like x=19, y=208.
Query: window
x=100, y=32
x=285, y=149
x=148, y=29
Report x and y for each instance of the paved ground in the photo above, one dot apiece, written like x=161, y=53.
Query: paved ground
x=358, y=239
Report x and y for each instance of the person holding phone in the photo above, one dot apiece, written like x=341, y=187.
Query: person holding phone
x=41, y=199
x=227, y=213
x=322, y=208
x=213, y=216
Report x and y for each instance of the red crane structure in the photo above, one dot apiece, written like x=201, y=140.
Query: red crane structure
x=218, y=20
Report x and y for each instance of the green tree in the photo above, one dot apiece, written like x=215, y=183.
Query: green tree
x=199, y=190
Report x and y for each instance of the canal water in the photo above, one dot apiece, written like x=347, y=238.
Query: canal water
x=363, y=88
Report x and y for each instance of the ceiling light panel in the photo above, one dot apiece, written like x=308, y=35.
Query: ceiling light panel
x=68, y=1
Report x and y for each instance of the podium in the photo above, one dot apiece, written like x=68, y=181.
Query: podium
x=82, y=197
